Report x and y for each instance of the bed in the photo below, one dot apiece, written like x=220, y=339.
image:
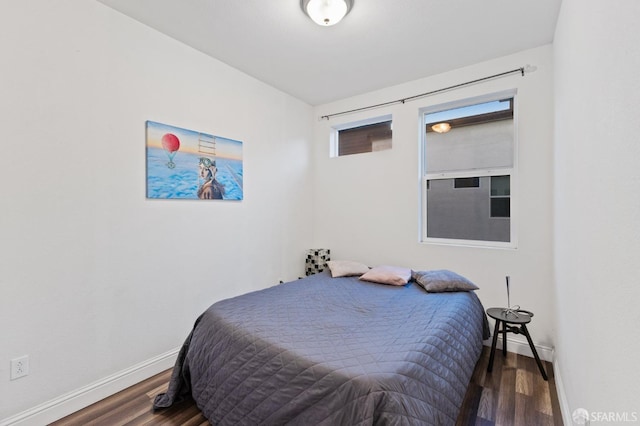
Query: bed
x=331, y=351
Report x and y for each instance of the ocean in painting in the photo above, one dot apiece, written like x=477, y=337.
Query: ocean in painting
x=182, y=181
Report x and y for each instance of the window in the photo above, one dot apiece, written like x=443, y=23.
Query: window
x=500, y=196
x=472, y=182
x=468, y=153
x=364, y=136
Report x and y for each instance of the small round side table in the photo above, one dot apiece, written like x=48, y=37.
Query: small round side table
x=512, y=322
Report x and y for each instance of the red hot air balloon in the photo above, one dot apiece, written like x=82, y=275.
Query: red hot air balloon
x=171, y=145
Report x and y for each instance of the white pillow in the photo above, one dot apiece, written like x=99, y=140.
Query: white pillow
x=346, y=268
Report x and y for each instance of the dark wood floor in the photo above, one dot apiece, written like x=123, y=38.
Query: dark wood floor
x=513, y=394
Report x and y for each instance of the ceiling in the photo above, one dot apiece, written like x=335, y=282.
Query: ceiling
x=380, y=43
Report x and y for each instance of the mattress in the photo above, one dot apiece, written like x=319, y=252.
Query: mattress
x=331, y=351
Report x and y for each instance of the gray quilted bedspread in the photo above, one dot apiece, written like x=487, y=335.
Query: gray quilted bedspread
x=331, y=351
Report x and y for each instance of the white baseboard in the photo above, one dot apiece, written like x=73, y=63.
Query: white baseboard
x=562, y=396
x=71, y=402
x=521, y=347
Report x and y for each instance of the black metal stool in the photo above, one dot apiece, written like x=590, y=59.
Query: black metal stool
x=507, y=317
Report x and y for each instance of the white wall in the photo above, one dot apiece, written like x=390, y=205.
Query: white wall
x=597, y=204
x=94, y=278
x=367, y=205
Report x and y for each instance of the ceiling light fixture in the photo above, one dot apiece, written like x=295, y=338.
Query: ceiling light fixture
x=326, y=12
x=441, y=127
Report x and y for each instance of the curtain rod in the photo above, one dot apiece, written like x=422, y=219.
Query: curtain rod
x=521, y=70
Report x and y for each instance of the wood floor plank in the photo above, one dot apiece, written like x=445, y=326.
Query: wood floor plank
x=553, y=393
x=505, y=412
x=520, y=410
x=157, y=390
x=514, y=393
x=543, y=399
x=487, y=405
x=524, y=382
x=127, y=412
x=493, y=379
x=471, y=404
x=114, y=402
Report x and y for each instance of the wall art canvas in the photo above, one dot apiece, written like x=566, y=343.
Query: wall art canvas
x=185, y=164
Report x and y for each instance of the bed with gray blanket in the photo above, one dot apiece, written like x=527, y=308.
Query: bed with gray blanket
x=331, y=351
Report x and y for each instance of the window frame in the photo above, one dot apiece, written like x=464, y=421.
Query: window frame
x=334, y=147
x=512, y=172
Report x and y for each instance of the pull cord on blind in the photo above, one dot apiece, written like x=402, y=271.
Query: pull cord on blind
x=521, y=70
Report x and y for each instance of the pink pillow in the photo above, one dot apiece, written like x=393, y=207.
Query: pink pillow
x=392, y=275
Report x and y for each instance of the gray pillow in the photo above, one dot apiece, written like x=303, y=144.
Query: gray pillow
x=443, y=280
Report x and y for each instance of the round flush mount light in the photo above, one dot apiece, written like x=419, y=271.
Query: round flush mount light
x=441, y=127
x=326, y=12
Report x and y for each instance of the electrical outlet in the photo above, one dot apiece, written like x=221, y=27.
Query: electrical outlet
x=19, y=367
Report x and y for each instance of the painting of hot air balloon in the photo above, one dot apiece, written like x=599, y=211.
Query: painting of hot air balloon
x=171, y=144
x=186, y=164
